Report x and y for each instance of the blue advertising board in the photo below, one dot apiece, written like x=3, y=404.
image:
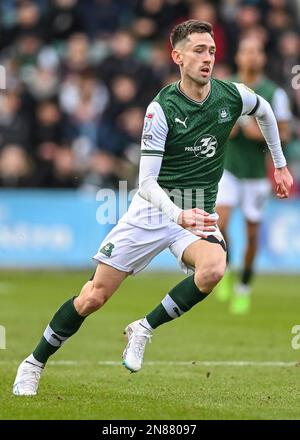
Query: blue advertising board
x=48, y=228
x=45, y=229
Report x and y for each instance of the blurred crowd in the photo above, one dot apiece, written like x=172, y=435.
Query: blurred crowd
x=80, y=73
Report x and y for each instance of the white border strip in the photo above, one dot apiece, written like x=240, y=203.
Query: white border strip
x=175, y=363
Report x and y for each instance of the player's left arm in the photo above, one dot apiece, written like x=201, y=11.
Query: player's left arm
x=256, y=106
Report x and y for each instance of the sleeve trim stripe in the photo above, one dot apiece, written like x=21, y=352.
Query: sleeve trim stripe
x=255, y=107
x=152, y=153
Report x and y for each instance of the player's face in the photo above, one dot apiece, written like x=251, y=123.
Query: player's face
x=250, y=56
x=196, y=56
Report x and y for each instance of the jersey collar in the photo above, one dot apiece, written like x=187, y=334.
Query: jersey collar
x=190, y=99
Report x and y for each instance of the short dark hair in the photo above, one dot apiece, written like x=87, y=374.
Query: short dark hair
x=182, y=30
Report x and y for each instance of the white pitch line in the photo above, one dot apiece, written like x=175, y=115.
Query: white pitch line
x=177, y=363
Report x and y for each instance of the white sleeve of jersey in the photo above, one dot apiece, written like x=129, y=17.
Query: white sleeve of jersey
x=155, y=130
x=281, y=106
x=150, y=190
x=152, y=149
x=249, y=98
x=257, y=106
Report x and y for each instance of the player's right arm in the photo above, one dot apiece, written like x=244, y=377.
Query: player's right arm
x=152, y=150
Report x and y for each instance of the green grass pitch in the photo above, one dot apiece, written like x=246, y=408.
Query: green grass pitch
x=80, y=383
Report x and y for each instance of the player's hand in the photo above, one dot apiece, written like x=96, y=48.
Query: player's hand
x=197, y=221
x=284, y=182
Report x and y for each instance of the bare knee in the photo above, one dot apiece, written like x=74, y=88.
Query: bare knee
x=207, y=278
x=92, y=297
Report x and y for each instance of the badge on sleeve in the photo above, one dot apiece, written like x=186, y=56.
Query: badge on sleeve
x=148, y=122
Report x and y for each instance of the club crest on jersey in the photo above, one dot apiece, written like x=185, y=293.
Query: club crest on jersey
x=224, y=115
x=107, y=249
x=148, y=122
x=206, y=146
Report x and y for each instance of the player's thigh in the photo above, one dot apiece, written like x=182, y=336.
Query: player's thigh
x=206, y=256
x=255, y=193
x=108, y=278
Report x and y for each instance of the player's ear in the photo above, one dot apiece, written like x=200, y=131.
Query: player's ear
x=176, y=56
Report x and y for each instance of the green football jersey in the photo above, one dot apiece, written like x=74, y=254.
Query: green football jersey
x=194, y=147
x=246, y=158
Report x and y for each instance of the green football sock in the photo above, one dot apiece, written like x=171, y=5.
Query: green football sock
x=64, y=324
x=178, y=301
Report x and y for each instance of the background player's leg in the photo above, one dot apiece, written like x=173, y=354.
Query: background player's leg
x=254, y=193
x=225, y=287
x=229, y=195
x=66, y=321
x=209, y=261
x=241, y=301
x=251, y=250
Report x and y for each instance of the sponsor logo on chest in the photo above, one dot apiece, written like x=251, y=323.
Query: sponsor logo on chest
x=206, y=146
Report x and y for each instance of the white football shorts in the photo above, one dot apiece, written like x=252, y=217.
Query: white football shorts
x=250, y=194
x=141, y=234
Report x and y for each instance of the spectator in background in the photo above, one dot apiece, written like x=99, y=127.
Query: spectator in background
x=15, y=167
x=64, y=172
x=49, y=47
x=124, y=92
x=84, y=99
x=278, y=21
x=151, y=17
x=160, y=62
x=28, y=20
x=48, y=123
x=288, y=56
x=76, y=58
x=25, y=52
x=248, y=18
x=130, y=125
x=122, y=60
x=62, y=20
x=206, y=11
x=104, y=17
x=13, y=124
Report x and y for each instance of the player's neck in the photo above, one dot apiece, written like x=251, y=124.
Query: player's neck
x=249, y=78
x=193, y=90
